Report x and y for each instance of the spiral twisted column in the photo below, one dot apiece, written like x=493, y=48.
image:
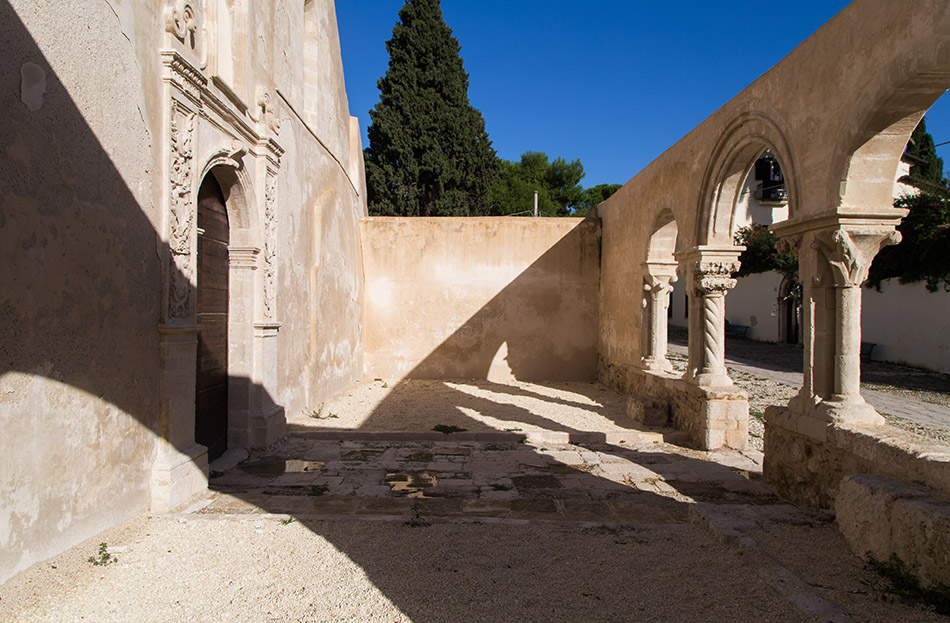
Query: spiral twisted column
x=712, y=280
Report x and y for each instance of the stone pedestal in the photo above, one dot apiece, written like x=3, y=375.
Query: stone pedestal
x=180, y=471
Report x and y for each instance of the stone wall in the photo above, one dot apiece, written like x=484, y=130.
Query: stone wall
x=481, y=298
x=807, y=465
x=712, y=417
x=908, y=324
x=113, y=113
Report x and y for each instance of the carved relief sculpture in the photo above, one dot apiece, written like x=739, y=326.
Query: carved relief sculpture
x=181, y=19
x=180, y=212
x=270, y=225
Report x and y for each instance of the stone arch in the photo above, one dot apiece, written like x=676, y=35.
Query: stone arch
x=236, y=184
x=247, y=399
x=743, y=141
x=868, y=159
x=659, y=273
x=662, y=242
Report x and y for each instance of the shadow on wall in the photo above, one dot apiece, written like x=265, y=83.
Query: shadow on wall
x=540, y=327
x=79, y=365
x=492, y=298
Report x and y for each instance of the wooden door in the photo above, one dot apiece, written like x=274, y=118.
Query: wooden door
x=211, y=389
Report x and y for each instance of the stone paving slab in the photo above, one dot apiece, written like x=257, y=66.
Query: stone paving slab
x=465, y=479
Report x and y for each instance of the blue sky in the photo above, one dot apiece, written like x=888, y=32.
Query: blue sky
x=614, y=83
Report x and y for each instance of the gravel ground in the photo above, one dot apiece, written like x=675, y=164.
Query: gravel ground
x=272, y=568
x=265, y=567
x=914, y=384
x=418, y=405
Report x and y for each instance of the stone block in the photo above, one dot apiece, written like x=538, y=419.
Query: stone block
x=648, y=412
x=885, y=516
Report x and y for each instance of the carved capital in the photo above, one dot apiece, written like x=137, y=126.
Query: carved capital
x=849, y=252
x=658, y=284
x=714, y=277
x=792, y=244
x=181, y=18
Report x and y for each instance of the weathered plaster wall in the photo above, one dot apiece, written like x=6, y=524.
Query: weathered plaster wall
x=83, y=214
x=79, y=297
x=494, y=298
x=321, y=190
x=321, y=284
x=908, y=324
x=754, y=303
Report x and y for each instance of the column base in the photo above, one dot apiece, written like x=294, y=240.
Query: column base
x=179, y=477
x=713, y=380
x=656, y=365
x=268, y=427
x=849, y=409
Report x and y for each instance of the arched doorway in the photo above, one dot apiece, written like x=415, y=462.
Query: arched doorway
x=790, y=310
x=211, y=379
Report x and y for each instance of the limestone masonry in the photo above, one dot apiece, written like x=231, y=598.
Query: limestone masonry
x=187, y=260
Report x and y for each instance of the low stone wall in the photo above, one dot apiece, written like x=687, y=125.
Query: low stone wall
x=713, y=418
x=886, y=517
x=808, y=467
x=494, y=298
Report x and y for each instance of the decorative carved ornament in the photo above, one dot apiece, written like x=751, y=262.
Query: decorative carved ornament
x=715, y=277
x=658, y=285
x=849, y=253
x=180, y=212
x=181, y=18
x=270, y=253
x=789, y=245
x=266, y=110
x=185, y=76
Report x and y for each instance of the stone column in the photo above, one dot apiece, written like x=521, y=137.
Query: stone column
x=848, y=253
x=711, y=278
x=656, y=285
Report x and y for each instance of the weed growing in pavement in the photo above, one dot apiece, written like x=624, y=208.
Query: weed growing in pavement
x=419, y=457
x=287, y=521
x=417, y=520
x=896, y=581
x=445, y=429
x=317, y=490
x=318, y=414
x=104, y=558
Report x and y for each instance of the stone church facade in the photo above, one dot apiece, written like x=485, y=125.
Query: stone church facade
x=181, y=192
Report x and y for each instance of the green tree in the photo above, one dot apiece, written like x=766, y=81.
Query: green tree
x=924, y=251
x=428, y=153
x=760, y=254
x=596, y=194
x=928, y=173
x=557, y=183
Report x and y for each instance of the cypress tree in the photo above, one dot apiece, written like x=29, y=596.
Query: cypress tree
x=428, y=153
x=929, y=174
